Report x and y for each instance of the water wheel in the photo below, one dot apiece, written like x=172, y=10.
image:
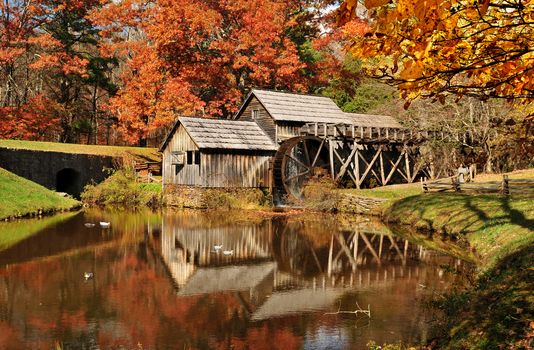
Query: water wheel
x=296, y=161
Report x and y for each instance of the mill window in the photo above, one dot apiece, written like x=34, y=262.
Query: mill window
x=255, y=114
x=189, y=157
x=193, y=157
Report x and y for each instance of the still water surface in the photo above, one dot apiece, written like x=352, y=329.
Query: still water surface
x=160, y=283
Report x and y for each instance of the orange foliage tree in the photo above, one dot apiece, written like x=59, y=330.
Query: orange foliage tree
x=480, y=48
x=201, y=57
x=50, y=71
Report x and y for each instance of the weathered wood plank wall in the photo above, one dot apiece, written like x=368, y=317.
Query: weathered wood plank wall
x=235, y=170
x=189, y=174
x=264, y=120
x=220, y=168
x=287, y=130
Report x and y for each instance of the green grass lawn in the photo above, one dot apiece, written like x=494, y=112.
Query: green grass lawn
x=146, y=154
x=388, y=192
x=396, y=192
x=494, y=225
x=497, y=310
x=20, y=197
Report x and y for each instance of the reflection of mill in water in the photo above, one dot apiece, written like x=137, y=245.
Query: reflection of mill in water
x=277, y=269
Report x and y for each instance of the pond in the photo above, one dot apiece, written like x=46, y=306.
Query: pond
x=213, y=280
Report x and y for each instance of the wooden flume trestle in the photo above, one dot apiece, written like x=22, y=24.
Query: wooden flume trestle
x=354, y=155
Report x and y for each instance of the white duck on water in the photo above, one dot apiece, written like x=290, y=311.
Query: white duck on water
x=105, y=224
x=228, y=252
x=88, y=275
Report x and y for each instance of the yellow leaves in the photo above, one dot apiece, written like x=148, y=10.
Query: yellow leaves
x=347, y=11
x=412, y=70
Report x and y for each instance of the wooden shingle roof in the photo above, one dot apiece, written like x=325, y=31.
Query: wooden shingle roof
x=299, y=108
x=224, y=134
x=284, y=106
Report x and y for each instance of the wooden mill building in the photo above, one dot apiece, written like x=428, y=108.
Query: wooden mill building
x=277, y=139
x=217, y=153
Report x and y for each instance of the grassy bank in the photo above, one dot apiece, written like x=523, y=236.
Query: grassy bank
x=498, y=310
x=20, y=197
x=121, y=190
x=140, y=153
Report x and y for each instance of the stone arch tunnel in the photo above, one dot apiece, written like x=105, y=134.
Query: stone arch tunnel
x=61, y=172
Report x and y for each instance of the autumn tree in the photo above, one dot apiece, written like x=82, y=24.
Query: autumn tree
x=202, y=57
x=479, y=48
x=52, y=74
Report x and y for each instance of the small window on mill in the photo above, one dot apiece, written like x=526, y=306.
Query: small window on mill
x=189, y=157
x=255, y=114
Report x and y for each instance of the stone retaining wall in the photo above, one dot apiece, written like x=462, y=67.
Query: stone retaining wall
x=65, y=172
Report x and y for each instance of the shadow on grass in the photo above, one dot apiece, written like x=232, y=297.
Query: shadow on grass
x=458, y=213
x=497, y=312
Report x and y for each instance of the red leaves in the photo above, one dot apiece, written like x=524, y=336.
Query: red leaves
x=201, y=57
x=33, y=121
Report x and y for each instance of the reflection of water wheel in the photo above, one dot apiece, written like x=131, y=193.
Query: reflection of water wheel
x=296, y=161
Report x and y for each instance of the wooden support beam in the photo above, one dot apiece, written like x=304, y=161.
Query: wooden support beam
x=347, y=162
x=357, y=167
x=318, y=153
x=380, y=246
x=370, y=165
x=346, y=250
x=416, y=170
x=341, y=160
x=331, y=157
x=371, y=249
x=330, y=252
x=407, y=164
x=394, y=245
x=382, y=176
x=355, y=241
x=395, y=166
x=316, y=259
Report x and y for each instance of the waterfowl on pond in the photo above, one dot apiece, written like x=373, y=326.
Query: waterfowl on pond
x=228, y=252
x=89, y=225
x=104, y=224
x=218, y=247
x=88, y=275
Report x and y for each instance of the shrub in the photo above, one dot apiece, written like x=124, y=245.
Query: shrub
x=234, y=199
x=320, y=193
x=121, y=189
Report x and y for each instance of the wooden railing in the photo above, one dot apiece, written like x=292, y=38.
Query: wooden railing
x=506, y=186
x=374, y=133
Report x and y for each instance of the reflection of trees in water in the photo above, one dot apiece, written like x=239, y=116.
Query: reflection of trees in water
x=131, y=301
